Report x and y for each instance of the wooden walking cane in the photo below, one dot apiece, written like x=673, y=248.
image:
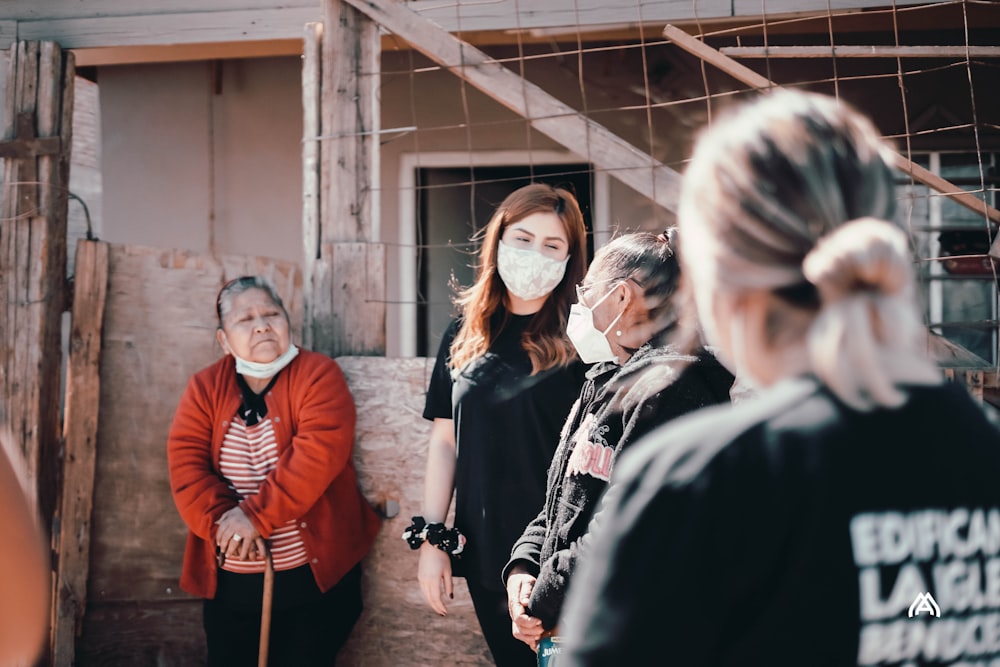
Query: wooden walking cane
x=265, y=611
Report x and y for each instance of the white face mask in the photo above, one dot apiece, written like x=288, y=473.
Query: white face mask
x=263, y=371
x=528, y=274
x=590, y=342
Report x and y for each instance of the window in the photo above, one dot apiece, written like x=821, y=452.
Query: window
x=960, y=295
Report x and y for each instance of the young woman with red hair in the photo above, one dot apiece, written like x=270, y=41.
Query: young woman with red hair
x=505, y=379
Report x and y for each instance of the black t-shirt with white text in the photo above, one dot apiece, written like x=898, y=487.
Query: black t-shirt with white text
x=507, y=424
x=792, y=530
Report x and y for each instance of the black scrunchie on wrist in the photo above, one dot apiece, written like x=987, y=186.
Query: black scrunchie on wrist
x=448, y=540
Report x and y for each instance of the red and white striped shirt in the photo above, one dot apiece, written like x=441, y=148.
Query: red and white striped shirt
x=248, y=454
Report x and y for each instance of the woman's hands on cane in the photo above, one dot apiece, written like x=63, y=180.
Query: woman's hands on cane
x=236, y=537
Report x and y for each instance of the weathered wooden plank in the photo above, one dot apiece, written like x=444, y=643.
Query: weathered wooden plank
x=142, y=633
x=950, y=355
x=348, y=321
x=351, y=79
x=901, y=162
x=56, y=74
x=8, y=34
x=172, y=27
x=72, y=541
x=32, y=273
x=463, y=15
x=10, y=85
x=25, y=173
x=947, y=188
x=712, y=56
x=776, y=7
x=311, y=113
x=880, y=51
x=49, y=87
x=26, y=182
x=20, y=149
x=548, y=115
x=171, y=53
x=33, y=10
x=519, y=15
x=54, y=119
x=24, y=342
x=353, y=277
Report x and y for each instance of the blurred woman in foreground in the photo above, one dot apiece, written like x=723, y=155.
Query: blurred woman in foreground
x=24, y=567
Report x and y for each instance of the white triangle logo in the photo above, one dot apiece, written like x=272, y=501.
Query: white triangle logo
x=924, y=602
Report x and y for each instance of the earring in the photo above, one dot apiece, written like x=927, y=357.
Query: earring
x=619, y=333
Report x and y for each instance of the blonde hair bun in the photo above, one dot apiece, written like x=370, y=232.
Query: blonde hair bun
x=865, y=255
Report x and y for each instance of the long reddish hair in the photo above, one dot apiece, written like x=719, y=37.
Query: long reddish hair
x=486, y=300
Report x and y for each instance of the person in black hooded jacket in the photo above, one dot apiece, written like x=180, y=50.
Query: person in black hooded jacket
x=625, y=314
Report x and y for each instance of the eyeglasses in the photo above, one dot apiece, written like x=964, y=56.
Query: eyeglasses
x=582, y=289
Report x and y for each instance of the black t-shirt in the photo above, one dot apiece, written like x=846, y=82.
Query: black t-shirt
x=507, y=425
x=793, y=530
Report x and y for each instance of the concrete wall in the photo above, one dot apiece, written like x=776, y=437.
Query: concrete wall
x=204, y=156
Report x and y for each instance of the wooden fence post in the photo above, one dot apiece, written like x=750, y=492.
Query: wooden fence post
x=37, y=137
x=312, y=69
x=83, y=392
x=347, y=282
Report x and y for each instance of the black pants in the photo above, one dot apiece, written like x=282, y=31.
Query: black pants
x=494, y=619
x=308, y=627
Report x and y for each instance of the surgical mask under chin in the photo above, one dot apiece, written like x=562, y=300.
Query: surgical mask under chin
x=528, y=274
x=264, y=371
x=590, y=342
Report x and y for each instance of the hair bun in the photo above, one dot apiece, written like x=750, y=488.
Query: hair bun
x=668, y=236
x=864, y=255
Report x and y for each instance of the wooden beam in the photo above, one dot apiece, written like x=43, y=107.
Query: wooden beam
x=83, y=390
x=904, y=164
x=353, y=274
x=881, y=51
x=350, y=123
x=24, y=148
x=174, y=21
x=560, y=122
x=347, y=320
x=946, y=188
x=311, y=109
x=171, y=27
x=712, y=56
x=171, y=53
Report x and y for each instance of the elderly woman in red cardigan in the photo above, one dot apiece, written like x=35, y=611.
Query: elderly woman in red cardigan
x=260, y=455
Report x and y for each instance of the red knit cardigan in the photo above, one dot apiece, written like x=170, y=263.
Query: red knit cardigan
x=314, y=482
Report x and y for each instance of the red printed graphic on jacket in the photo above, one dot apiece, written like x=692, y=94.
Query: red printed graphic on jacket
x=591, y=458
